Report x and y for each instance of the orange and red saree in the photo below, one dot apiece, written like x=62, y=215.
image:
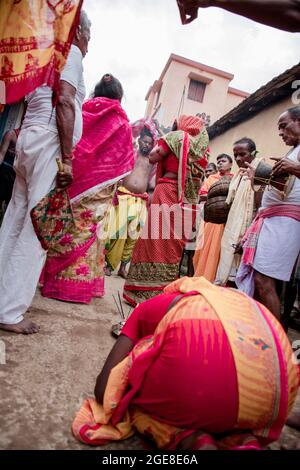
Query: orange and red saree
x=35, y=39
x=206, y=257
x=218, y=362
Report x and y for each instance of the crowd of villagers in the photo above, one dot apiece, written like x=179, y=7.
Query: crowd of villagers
x=203, y=361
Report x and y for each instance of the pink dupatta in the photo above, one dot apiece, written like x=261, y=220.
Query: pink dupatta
x=104, y=154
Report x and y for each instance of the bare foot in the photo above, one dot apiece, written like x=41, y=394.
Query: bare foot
x=122, y=271
x=197, y=441
x=24, y=327
x=294, y=420
x=294, y=446
x=107, y=271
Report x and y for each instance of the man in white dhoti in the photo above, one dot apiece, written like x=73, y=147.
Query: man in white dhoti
x=272, y=244
x=46, y=134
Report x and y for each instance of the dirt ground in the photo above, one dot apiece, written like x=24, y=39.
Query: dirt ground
x=47, y=375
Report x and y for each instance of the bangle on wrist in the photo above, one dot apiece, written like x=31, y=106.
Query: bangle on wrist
x=67, y=157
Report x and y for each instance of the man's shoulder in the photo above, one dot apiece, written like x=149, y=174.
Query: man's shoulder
x=213, y=178
x=294, y=153
x=73, y=69
x=74, y=50
x=143, y=161
x=74, y=57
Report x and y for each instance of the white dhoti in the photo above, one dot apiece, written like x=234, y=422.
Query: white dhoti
x=21, y=254
x=276, y=254
x=277, y=248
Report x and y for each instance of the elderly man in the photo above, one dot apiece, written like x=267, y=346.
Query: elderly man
x=281, y=14
x=272, y=244
x=46, y=134
x=243, y=206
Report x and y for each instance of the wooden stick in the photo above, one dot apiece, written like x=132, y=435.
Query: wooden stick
x=129, y=312
x=60, y=165
x=120, y=313
x=121, y=305
x=268, y=181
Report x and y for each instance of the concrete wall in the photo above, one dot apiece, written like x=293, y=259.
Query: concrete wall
x=232, y=100
x=176, y=78
x=215, y=101
x=262, y=128
x=150, y=104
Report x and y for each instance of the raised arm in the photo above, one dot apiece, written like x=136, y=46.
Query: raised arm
x=158, y=153
x=281, y=14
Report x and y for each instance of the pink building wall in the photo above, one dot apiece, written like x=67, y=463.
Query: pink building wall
x=168, y=97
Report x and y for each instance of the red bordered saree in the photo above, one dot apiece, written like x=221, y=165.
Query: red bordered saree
x=157, y=253
x=35, y=39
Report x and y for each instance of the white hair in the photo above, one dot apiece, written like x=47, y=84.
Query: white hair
x=85, y=23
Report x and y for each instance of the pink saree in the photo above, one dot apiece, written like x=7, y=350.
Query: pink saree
x=74, y=270
x=104, y=154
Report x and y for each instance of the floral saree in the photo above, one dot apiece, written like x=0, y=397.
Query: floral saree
x=74, y=270
x=104, y=155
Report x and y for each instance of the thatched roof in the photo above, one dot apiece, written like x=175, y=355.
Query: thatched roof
x=274, y=91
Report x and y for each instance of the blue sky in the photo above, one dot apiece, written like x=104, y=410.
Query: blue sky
x=133, y=39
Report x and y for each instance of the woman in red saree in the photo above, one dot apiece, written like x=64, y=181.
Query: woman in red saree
x=74, y=270
x=181, y=157
x=208, y=367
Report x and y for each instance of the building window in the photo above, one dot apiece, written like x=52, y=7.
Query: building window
x=196, y=90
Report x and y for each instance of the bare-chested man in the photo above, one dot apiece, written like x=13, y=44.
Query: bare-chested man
x=129, y=216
